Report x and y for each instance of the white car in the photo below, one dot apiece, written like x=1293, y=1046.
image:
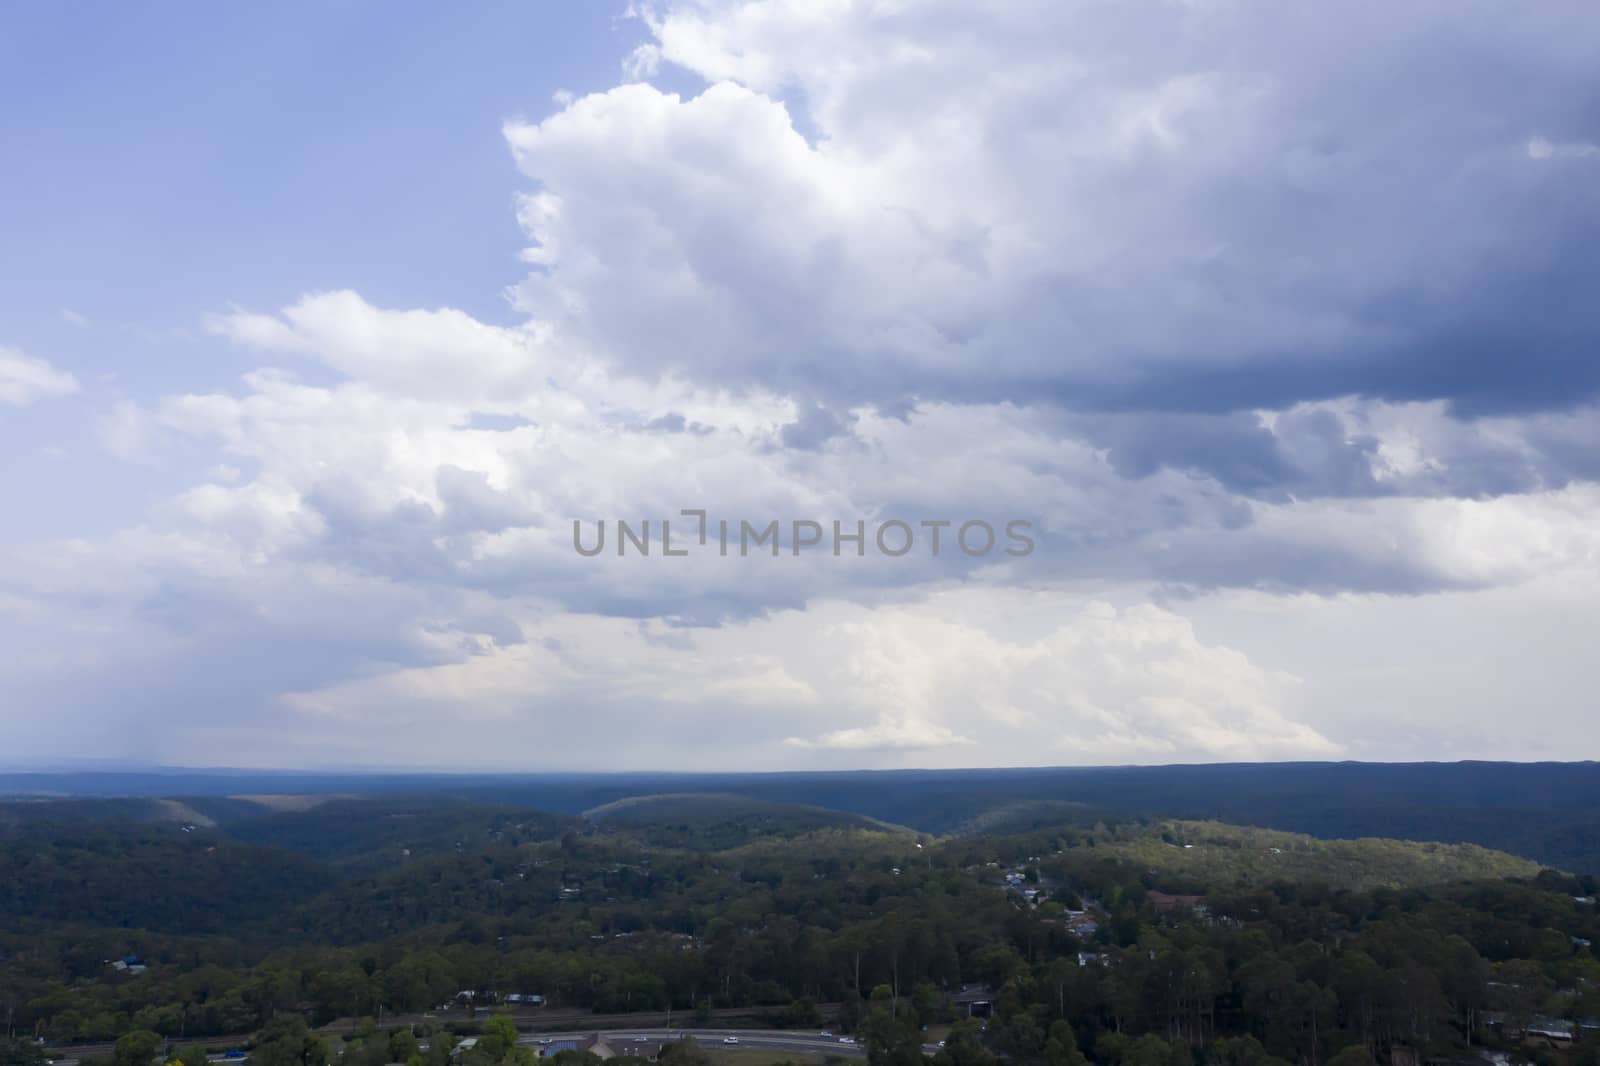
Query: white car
x=730, y=1040
x=847, y=1040
x=824, y=1033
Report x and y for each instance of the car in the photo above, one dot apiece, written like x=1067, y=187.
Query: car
x=234, y=1054
x=847, y=1040
x=545, y=1040
x=824, y=1033
x=730, y=1040
x=941, y=1043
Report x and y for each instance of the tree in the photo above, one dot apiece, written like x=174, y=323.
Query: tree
x=402, y=1045
x=961, y=1048
x=1148, y=1050
x=683, y=1053
x=136, y=1048
x=15, y=1051
x=890, y=1041
x=1354, y=1055
x=285, y=1041
x=997, y=964
x=1062, y=1047
x=499, y=1037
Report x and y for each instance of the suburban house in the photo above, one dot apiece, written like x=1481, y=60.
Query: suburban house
x=639, y=1049
x=1165, y=904
x=1550, y=1028
x=546, y=1050
x=975, y=1001
x=605, y=1047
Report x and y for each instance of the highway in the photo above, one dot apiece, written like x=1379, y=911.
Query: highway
x=773, y=1039
x=776, y=1039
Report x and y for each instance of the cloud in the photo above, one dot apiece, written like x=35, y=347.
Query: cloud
x=417, y=485
x=1271, y=323
x=1540, y=148
x=24, y=379
x=967, y=675
x=1193, y=208
x=421, y=352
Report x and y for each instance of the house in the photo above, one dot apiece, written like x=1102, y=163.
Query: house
x=1541, y=1026
x=1087, y=957
x=546, y=1050
x=1165, y=904
x=976, y=1001
x=466, y=1045
x=1551, y=1028
x=591, y=1044
x=634, y=1049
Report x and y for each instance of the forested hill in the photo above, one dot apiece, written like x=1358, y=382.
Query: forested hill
x=372, y=832
x=721, y=820
x=1243, y=946
x=1544, y=811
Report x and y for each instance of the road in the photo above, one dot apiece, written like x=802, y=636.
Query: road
x=553, y=1019
x=776, y=1039
x=773, y=1039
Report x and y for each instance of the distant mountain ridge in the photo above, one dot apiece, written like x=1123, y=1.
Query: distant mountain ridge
x=1543, y=811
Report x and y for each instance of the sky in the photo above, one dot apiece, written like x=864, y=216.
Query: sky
x=1272, y=326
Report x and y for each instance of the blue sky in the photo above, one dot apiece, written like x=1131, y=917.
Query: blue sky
x=173, y=160
x=322, y=325
x=256, y=152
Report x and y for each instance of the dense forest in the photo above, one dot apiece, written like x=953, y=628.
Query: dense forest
x=1543, y=811
x=1131, y=941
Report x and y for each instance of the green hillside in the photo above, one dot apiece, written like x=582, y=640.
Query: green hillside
x=715, y=821
x=1025, y=816
x=372, y=833
x=1230, y=856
